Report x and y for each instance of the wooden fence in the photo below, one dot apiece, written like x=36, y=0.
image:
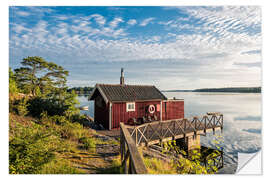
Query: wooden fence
x=155, y=132
x=130, y=157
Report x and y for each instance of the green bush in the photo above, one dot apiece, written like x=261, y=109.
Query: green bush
x=61, y=120
x=59, y=166
x=38, y=105
x=30, y=148
x=88, y=143
x=19, y=106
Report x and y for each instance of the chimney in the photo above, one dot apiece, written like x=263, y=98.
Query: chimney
x=122, y=82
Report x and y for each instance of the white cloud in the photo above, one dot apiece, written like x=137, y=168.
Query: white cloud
x=99, y=19
x=23, y=13
x=215, y=52
x=132, y=22
x=114, y=23
x=146, y=21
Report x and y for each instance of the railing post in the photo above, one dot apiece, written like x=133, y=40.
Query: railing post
x=222, y=120
x=136, y=137
x=214, y=120
x=174, y=128
x=125, y=162
x=205, y=125
x=131, y=154
x=121, y=145
x=130, y=166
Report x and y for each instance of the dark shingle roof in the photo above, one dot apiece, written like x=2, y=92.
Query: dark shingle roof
x=130, y=92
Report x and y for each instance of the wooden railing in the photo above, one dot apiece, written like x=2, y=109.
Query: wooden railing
x=154, y=132
x=129, y=152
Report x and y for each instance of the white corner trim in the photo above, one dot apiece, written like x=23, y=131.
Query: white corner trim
x=101, y=92
x=110, y=116
x=103, y=95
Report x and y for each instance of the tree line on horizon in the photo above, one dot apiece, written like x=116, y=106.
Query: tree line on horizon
x=231, y=89
x=227, y=89
x=81, y=90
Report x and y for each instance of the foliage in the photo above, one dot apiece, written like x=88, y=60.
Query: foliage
x=88, y=143
x=69, y=103
x=30, y=148
x=195, y=161
x=38, y=105
x=19, y=106
x=12, y=83
x=66, y=106
x=51, y=131
x=59, y=166
x=81, y=90
x=157, y=166
x=37, y=73
x=37, y=146
x=22, y=107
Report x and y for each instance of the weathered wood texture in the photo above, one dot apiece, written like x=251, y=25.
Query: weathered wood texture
x=155, y=132
x=130, y=157
x=119, y=113
x=172, y=109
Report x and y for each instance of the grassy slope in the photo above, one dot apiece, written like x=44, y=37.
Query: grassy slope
x=72, y=158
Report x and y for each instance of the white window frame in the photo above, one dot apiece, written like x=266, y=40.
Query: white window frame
x=127, y=106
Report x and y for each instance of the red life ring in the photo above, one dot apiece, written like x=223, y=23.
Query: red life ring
x=151, y=108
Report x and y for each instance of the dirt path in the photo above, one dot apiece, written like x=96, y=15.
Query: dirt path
x=102, y=160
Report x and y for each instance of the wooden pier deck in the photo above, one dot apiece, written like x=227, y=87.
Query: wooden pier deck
x=162, y=131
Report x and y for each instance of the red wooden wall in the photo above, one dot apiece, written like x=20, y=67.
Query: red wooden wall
x=172, y=110
x=119, y=113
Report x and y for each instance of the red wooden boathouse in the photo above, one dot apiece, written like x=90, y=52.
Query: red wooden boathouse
x=115, y=103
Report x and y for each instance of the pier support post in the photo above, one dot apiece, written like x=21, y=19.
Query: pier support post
x=190, y=142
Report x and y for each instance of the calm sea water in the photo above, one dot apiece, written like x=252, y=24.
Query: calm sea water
x=242, y=120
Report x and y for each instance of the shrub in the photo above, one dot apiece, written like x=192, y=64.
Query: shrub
x=19, y=106
x=157, y=166
x=30, y=148
x=61, y=120
x=66, y=131
x=88, y=143
x=37, y=105
x=59, y=166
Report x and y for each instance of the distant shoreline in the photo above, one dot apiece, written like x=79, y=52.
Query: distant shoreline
x=225, y=90
x=88, y=90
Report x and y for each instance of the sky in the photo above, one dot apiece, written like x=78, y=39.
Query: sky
x=170, y=47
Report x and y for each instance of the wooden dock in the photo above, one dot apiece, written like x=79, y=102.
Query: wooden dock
x=162, y=131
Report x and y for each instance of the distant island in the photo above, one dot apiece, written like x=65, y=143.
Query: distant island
x=229, y=90
x=81, y=90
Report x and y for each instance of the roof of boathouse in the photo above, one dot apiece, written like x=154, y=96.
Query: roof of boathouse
x=125, y=93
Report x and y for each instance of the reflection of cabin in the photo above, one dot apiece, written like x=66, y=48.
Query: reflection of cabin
x=115, y=103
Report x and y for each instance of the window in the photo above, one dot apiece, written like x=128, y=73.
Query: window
x=131, y=106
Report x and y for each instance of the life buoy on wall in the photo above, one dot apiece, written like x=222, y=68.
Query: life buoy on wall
x=151, y=108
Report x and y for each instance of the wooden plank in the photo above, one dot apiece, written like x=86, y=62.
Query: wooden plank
x=135, y=157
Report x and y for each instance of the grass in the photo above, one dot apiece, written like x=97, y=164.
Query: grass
x=157, y=166
x=60, y=166
x=74, y=147
x=114, y=168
